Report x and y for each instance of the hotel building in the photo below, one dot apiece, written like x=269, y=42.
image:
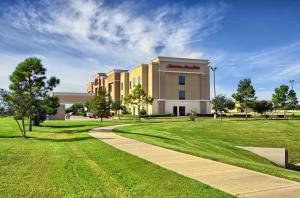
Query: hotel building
x=177, y=85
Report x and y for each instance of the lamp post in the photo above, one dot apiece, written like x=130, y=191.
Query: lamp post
x=213, y=69
x=292, y=84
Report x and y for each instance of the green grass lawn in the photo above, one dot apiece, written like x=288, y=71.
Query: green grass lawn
x=59, y=159
x=216, y=140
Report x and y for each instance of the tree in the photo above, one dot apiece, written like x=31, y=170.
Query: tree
x=43, y=108
x=29, y=82
x=116, y=106
x=262, y=106
x=138, y=97
x=245, y=95
x=100, y=104
x=284, y=99
x=293, y=101
x=230, y=105
x=222, y=104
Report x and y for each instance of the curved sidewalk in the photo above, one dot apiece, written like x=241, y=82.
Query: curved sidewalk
x=231, y=179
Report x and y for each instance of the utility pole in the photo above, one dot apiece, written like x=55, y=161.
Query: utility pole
x=213, y=69
x=292, y=84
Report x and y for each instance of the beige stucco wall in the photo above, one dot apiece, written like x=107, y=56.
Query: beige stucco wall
x=124, y=85
x=139, y=71
x=161, y=81
x=113, y=79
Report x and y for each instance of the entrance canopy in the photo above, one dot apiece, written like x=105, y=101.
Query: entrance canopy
x=72, y=98
x=69, y=98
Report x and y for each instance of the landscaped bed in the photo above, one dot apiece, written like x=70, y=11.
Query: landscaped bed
x=217, y=140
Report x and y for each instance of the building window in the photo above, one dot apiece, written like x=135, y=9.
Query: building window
x=181, y=95
x=133, y=82
x=130, y=85
x=121, y=97
x=181, y=80
x=121, y=86
x=139, y=80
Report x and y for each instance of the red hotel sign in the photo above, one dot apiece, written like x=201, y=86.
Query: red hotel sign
x=183, y=66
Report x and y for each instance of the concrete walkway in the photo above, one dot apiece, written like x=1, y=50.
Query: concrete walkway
x=231, y=179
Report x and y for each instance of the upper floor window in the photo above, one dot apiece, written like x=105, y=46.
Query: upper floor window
x=181, y=80
x=121, y=86
x=130, y=85
x=133, y=82
x=181, y=95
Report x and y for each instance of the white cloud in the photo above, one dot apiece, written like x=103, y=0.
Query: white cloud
x=123, y=31
x=77, y=38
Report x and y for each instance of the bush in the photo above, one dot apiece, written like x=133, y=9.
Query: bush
x=192, y=115
x=240, y=115
x=80, y=113
x=158, y=115
x=124, y=110
x=205, y=115
x=143, y=112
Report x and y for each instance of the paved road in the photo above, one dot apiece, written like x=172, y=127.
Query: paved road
x=231, y=179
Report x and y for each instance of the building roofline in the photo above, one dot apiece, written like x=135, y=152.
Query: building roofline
x=70, y=94
x=100, y=74
x=117, y=71
x=174, y=59
x=138, y=65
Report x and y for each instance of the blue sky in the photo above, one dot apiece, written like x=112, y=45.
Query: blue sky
x=77, y=38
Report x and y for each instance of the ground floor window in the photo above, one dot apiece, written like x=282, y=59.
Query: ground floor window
x=175, y=110
x=182, y=111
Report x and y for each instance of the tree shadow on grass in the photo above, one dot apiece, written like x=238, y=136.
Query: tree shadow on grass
x=73, y=131
x=68, y=131
x=75, y=139
x=62, y=126
x=142, y=134
x=10, y=136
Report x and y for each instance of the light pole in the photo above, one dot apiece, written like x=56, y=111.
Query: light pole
x=292, y=84
x=213, y=69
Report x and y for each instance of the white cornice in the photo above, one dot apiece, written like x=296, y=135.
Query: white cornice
x=182, y=72
x=178, y=60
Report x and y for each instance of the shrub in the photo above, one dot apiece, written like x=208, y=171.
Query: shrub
x=143, y=112
x=192, y=115
x=124, y=110
x=158, y=115
x=80, y=113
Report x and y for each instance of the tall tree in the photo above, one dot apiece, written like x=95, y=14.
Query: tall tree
x=245, y=95
x=222, y=104
x=100, y=104
x=284, y=99
x=138, y=97
x=29, y=81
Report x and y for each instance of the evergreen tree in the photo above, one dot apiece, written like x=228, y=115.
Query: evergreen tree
x=245, y=95
x=29, y=83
